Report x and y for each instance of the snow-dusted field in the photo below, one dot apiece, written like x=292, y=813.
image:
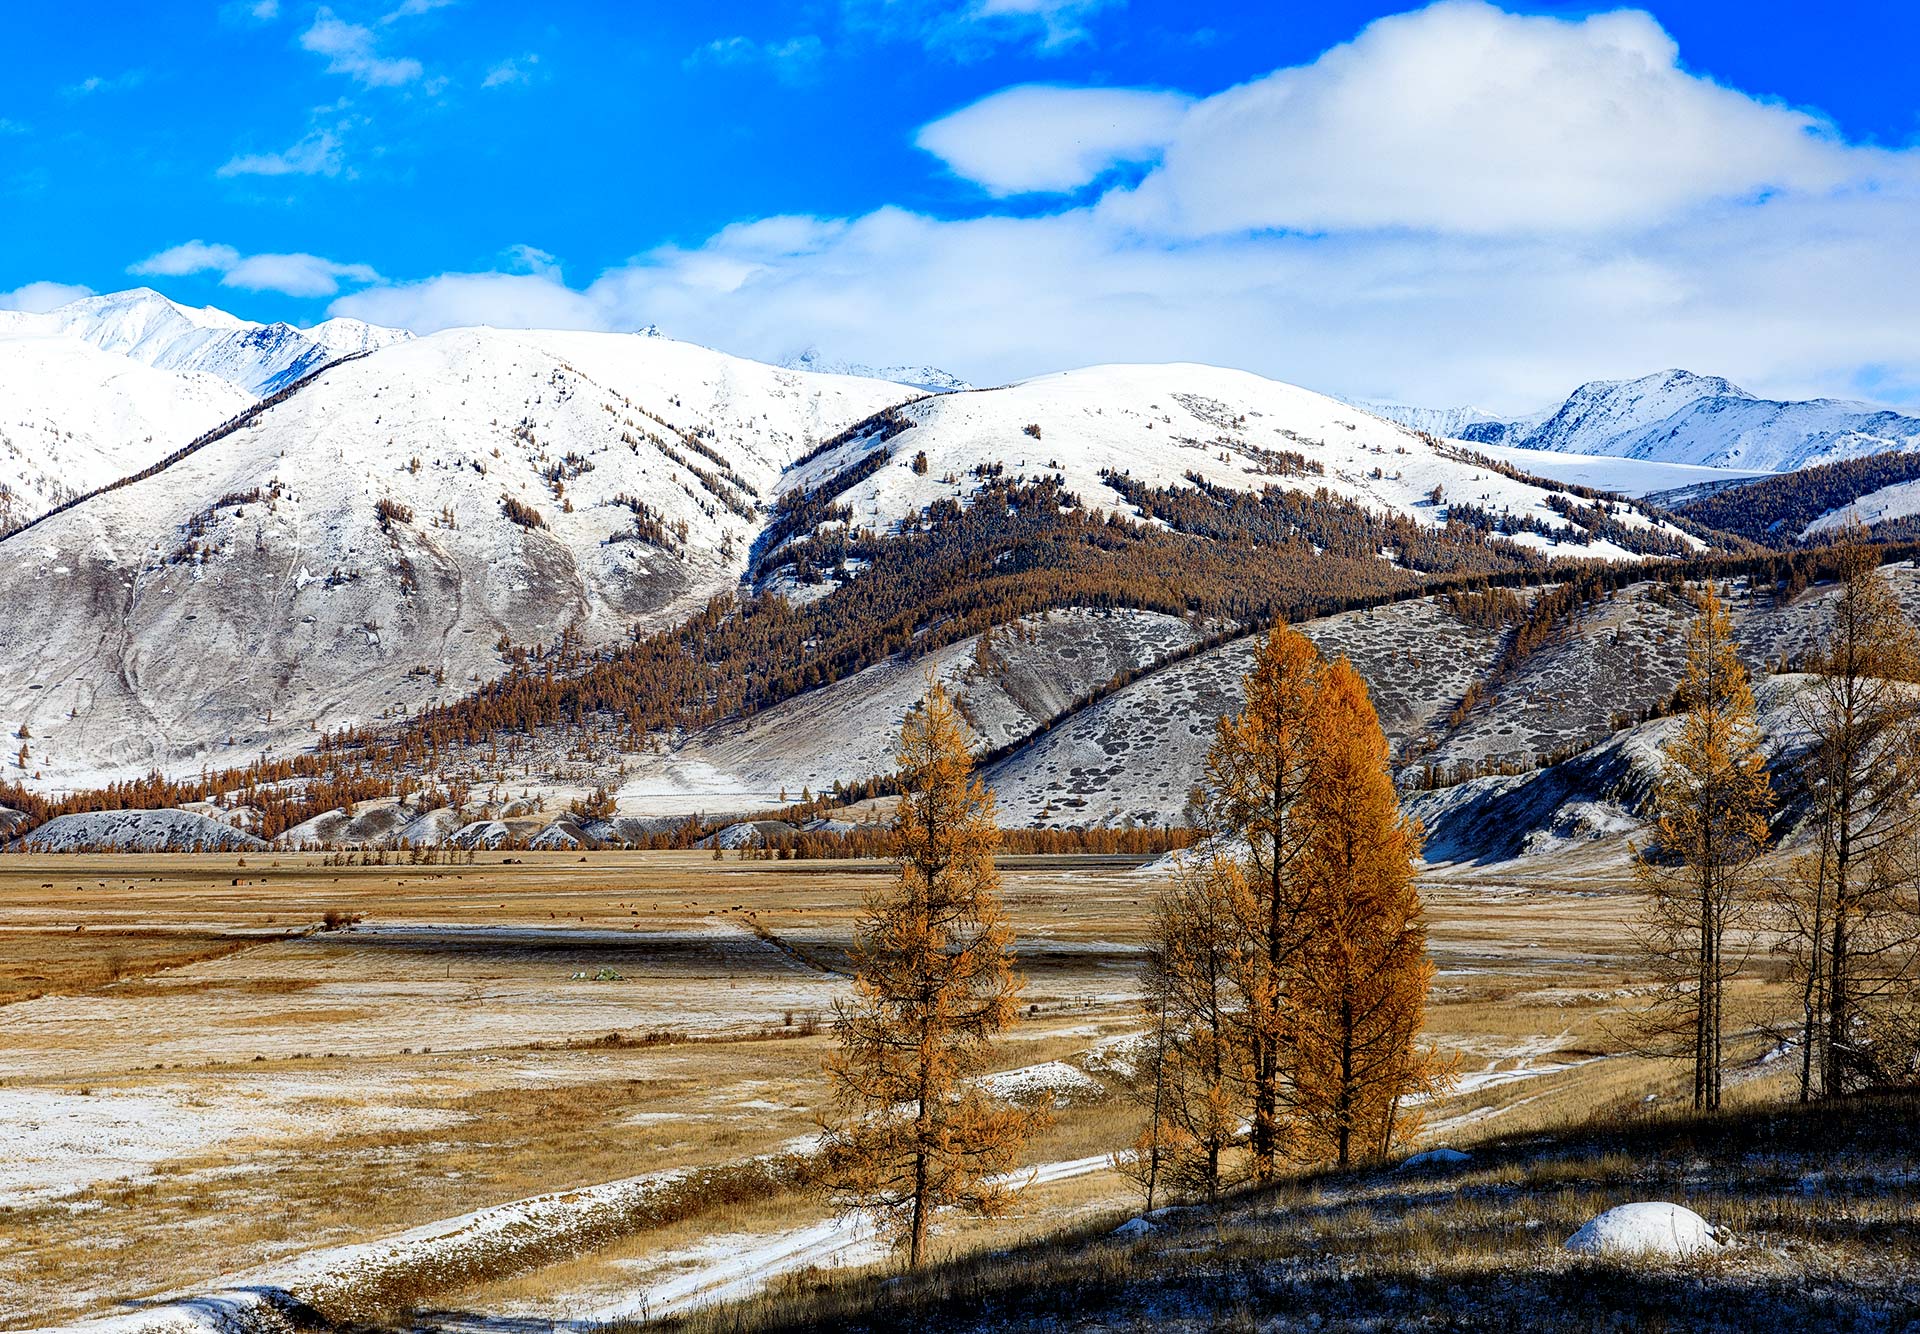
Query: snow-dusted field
x=492, y=1034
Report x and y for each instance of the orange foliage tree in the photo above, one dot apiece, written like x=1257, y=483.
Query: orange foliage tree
x=909, y=1129
x=1257, y=775
x=1711, y=824
x=1357, y=989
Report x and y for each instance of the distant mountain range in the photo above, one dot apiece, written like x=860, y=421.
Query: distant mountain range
x=1676, y=416
x=375, y=547
x=930, y=378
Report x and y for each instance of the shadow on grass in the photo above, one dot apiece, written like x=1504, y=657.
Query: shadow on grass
x=1339, y=1250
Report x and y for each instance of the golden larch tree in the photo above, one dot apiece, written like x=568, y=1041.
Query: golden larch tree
x=1852, y=919
x=1357, y=985
x=1196, y=1079
x=1711, y=807
x=909, y=1130
x=1257, y=775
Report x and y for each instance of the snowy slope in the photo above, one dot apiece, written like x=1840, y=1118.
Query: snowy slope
x=1605, y=472
x=254, y=592
x=1676, y=416
x=73, y=418
x=1159, y=423
x=146, y=327
x=931, y=378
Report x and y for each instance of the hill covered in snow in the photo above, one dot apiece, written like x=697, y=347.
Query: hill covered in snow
x=412, y=525
x=372, y=543
x=103, y=387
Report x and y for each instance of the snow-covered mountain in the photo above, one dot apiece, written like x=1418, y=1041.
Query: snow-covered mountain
x=1676, y=416
x=930, y=378
x=358, y=550
x=73, y=418
x=146, y=327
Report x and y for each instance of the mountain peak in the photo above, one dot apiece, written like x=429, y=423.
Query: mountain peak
x=152, y=328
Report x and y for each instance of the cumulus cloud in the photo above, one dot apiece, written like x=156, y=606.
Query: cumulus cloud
x=1463, y=117
x=187, y=257
x=38, y=298
x=297, y=274
x=1038, y=137
x=352, y=49
x=1459, y=205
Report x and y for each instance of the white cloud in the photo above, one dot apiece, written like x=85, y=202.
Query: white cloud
x=1038, y=137
x=37, y=298
x=187, y=257
x=352, y=49
x=518, y=69
x=1554, y=200
x=793, y=60
x=1061, y=22
x=414, y=8
x=970, y=29
x=457, y=300
x=265, y=10
x=1462, y=117
x=98, y=83
x=12, y=126
x=297, y=274
x=317, y=153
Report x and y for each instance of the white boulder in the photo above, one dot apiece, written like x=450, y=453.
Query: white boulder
x=1653, y=1229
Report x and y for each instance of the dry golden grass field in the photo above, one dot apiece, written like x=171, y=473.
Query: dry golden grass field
x=202, y=1086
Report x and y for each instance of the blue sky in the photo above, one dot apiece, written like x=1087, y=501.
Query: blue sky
x=1456, y=203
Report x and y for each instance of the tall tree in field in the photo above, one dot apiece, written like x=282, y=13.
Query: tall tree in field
x=1357, y=984
x=1711, y=824
x=1257, y=778
x=1196, y=1083
x=1851, y=915
x=909, y=1131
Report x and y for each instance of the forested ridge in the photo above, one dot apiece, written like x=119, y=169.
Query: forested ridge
x=1022, y=547
x=1775, y=510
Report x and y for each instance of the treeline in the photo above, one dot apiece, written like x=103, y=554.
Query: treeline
x=879, y=842
x=1774, y=510
x=1309, y=526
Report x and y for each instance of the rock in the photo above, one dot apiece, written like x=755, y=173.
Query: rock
x=1654, y=1229
x=1437, y=1158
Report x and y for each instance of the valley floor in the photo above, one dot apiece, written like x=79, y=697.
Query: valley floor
x=570, y=1087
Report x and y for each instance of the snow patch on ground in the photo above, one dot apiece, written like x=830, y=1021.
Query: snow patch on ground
x=1652, y=1230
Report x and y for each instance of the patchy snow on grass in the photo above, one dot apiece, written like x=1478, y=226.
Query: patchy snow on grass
x=1054, y=1079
